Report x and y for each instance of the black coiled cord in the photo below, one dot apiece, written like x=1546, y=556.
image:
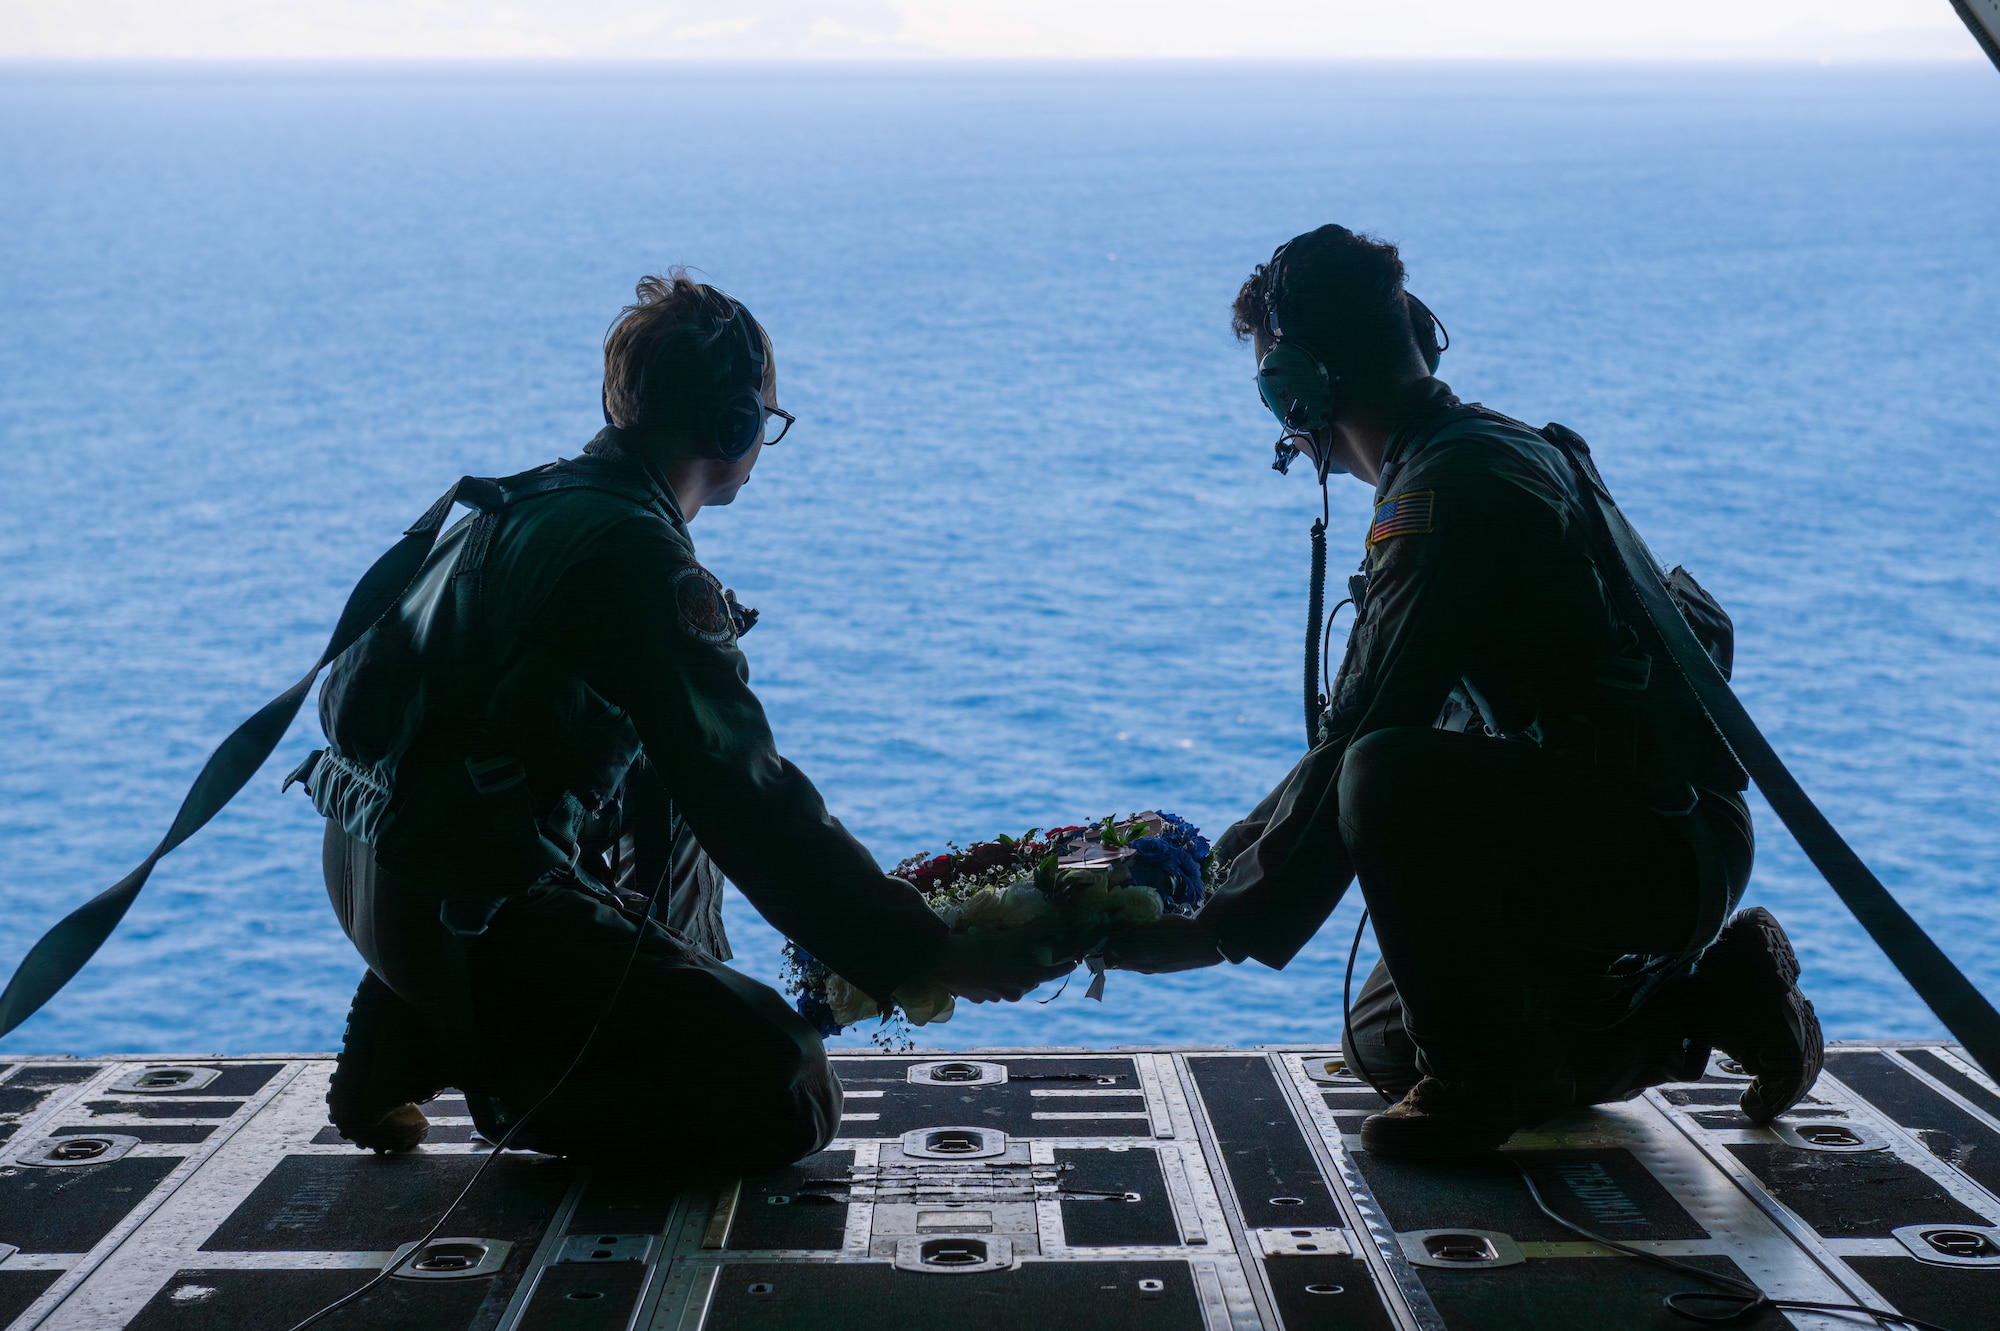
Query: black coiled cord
x=1315, y=614
x=1316, y=605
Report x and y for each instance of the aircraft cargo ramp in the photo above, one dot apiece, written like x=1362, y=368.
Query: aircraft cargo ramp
x=1056, y=1190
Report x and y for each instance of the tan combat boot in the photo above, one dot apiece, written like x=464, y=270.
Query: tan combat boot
x=1457, y=1119
x=388, y=1065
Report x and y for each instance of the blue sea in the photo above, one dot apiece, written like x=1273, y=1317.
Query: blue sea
x=1022, y=560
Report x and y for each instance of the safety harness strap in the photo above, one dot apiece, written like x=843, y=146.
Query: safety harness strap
x=65, y=949
x=1964, y=1011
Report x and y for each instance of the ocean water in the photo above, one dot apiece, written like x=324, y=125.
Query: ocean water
x=1022, y=559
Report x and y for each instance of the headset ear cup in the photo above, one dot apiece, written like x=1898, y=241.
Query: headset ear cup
x=739, y=425
x=1296, y=387
x=739, y=419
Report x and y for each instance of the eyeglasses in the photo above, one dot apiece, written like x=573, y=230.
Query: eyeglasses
x=784, y=416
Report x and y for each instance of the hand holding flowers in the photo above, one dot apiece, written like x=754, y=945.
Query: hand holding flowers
x=1022, y=911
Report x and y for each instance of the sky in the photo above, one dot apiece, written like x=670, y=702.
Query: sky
x=1837, y=30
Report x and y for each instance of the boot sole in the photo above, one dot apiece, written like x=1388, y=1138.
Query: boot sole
x=1772, y=1092
x=1776, y=946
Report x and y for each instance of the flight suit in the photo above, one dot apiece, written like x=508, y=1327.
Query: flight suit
x=1545, y=828
x=553, y=727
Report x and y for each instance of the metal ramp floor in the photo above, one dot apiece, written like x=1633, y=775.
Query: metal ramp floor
x=1052, y=1190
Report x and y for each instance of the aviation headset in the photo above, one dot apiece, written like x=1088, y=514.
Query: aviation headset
x=740, y=414
x=1304, y=395
x=1295, y=383
x=735, y=359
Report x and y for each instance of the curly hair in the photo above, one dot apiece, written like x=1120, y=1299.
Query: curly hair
x=1338, y=293
x=666, y=356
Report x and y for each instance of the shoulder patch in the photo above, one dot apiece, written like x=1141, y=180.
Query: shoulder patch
x=704, y=614
x=1405, y=515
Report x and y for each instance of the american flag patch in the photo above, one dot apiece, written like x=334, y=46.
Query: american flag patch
x=1405, y=515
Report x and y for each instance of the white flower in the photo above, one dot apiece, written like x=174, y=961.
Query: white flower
x=848, y=1003
x=1010, y=907
x=1135, y=905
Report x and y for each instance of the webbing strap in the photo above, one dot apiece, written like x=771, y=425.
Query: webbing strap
x=1964, y=1011
x=65, y=949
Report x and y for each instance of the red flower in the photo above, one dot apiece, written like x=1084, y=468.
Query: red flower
x=936, y=874
x=989, y=855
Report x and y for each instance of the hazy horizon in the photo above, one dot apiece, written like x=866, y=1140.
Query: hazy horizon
x=917, y=31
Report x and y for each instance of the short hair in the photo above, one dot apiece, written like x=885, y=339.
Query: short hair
x=668, y=356
x=1340, y=295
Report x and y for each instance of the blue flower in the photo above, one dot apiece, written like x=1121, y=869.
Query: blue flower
x=805, y=976
x=1182, y=833
x=1169, y=870
x=812, y=1006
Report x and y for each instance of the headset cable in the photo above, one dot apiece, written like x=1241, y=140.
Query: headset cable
x=1740, y=1299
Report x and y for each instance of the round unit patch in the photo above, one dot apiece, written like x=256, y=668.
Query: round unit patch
x=704, y=614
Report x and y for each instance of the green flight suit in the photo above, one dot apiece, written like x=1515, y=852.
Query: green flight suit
x=1542, y=823
x=555, y=721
